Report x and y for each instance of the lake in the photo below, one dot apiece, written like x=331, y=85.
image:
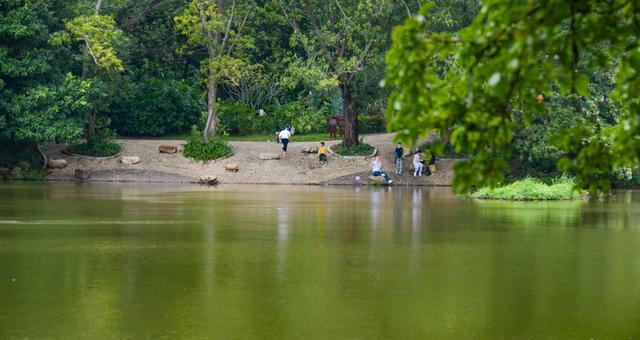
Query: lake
x=157, y=261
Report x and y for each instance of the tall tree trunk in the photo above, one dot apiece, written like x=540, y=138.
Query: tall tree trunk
x=350, y=118
x=45, y=159
x=91, y=125
x=210, y=129
x=91, y=115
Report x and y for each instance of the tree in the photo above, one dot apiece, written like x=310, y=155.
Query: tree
x=338, y=39
x=99, y=36
x=52, y=114
x=218, y=28
x=504, y=62
x=28, y=66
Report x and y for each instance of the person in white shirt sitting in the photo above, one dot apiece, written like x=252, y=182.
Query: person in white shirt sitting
x=376, y=170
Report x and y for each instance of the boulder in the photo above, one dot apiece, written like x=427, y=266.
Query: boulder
x=306, y=149
x=313, y=150
x=81, y=174
x=377, y=179
x=129, y=160
x=57, y=163
x=233, y=167
x=268, y=156
x=168, y=149
x=209, y=180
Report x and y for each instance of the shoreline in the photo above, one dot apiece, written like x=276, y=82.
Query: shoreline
x=296, y=168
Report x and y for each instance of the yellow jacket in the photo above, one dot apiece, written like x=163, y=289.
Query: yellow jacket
x=322, y=150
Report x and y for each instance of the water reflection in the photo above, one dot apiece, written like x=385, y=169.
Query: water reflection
x=283, y=236
x=309, y=262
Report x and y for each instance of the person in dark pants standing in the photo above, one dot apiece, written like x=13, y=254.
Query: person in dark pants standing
x=284, y=136
x=398, y=155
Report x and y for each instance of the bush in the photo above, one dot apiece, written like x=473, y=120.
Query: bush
x=361, y=149
x=199, y=149
x=446, y=150
x=154, y=106
x=102, y=144
x=530, y=189
x=13, y=153
x=236, y=119
x=23, y=159
x=371, y=123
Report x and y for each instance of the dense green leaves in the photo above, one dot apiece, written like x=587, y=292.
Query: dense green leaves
x=471, y=82
x=99, y=35
x=548, y=85
x=342, y=42
x=47, y=114
x=206, y=150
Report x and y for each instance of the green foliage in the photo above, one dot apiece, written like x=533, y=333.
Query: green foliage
x=99, y=35
x=374, y=123
x=20, y=153
x=45, y=114
x=201, y=150
x=439, y=148
x=361, y=149
x=237, y=119
x=530, y=189
x=471, y=82
x=342, y=44
x=313, y=137
x=102, y=144
x=535, y=151
x=154, y=106
x=218, y=28
x=27, y=172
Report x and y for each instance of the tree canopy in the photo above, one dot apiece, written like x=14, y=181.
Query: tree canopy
x=512, y=57
x=519, y=87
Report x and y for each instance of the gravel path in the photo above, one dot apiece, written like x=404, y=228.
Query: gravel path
x=296, y=168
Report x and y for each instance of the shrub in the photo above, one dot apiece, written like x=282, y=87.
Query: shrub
x=440, y=149
x=22, y=155
x=13, y=153
x=371, y=123
x=154, y=106
x=102, y=144
x=361, y=149
x=530, y=189
x=199, y=149
x=236, y=119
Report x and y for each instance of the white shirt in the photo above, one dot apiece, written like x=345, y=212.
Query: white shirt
x=376, y=165
x=417, y=158
x=284, y=134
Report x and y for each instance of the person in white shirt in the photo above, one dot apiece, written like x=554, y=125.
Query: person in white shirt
x=284, y=136
x=417, y=163
x=376, y=170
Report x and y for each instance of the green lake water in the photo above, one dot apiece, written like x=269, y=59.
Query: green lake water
x=286, y=262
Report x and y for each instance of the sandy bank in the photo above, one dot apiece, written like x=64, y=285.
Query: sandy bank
x=296, y=168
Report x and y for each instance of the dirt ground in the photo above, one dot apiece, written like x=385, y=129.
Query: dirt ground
x=295, y=168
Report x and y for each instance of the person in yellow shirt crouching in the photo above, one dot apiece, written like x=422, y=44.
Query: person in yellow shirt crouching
x=322, y=154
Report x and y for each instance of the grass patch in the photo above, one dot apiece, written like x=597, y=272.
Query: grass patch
x=530, y=189
x=102, y=144
x=95, y=150
x=201, y=150
x=361, y=149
